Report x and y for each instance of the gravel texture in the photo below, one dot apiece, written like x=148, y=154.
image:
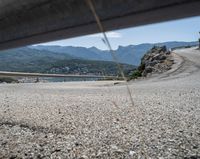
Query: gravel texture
x=83, y=120
x=156, y=60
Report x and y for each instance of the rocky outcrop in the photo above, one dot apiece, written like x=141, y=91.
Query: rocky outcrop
x=156, y=60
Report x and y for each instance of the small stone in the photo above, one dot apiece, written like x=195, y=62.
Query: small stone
x=84, y=157
x=13, y=157
x=132, y=153
x=195, y=147
x=101, y=153
x=116, y=149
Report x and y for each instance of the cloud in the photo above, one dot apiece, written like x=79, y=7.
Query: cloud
x=110, y=34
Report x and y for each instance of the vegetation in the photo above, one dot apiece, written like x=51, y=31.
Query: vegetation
x=8, y=80
x=138, y=71
x=136, y=74
x=76, y=66
x=42, y=61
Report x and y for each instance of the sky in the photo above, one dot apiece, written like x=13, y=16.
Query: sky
x=177, y=30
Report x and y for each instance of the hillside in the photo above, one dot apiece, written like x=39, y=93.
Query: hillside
x=42, y=61
x=156, y=61
x=77, y=66
x=29, y=60
x=130, y=54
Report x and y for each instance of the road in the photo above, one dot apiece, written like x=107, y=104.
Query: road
x=96, y=119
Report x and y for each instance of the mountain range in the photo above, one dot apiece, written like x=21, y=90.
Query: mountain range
x=76, y=60
x=130, y=54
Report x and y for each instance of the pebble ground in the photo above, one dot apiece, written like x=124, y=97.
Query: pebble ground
x=86, y=120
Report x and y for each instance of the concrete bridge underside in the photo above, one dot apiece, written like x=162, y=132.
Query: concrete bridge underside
x=25, y=22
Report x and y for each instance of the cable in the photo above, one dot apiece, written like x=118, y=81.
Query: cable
x=106, y=41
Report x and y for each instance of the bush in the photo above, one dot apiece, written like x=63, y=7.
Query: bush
x=8, y=80
x=141, y=67
x=136, y=74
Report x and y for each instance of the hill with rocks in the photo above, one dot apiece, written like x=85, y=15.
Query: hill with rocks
x=156, y=60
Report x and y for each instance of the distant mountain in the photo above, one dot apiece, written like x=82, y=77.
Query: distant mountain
x=173, y=44
x=130, y=54
x=77, y=52
x=27, y=59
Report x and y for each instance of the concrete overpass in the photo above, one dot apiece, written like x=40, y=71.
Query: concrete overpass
x=25, y=22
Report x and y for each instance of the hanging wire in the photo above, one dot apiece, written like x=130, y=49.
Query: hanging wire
x=107, y=43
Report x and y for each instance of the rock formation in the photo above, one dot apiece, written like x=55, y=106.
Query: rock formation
x=156, y=60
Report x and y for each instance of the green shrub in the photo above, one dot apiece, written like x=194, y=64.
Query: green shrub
x=136, y=74
x=141, y=67
x=8, y=80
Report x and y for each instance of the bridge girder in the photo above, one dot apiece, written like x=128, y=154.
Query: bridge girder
x=25, y=22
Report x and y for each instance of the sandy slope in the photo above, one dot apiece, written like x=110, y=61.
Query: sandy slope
x=97, y=120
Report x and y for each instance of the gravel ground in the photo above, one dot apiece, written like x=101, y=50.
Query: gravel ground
x=83, y=120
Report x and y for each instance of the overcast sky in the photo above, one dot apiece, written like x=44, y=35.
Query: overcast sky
x=178, y=30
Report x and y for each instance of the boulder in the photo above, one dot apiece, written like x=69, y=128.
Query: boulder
x=158, y=59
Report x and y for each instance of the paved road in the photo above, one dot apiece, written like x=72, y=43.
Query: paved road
x=96, y=119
